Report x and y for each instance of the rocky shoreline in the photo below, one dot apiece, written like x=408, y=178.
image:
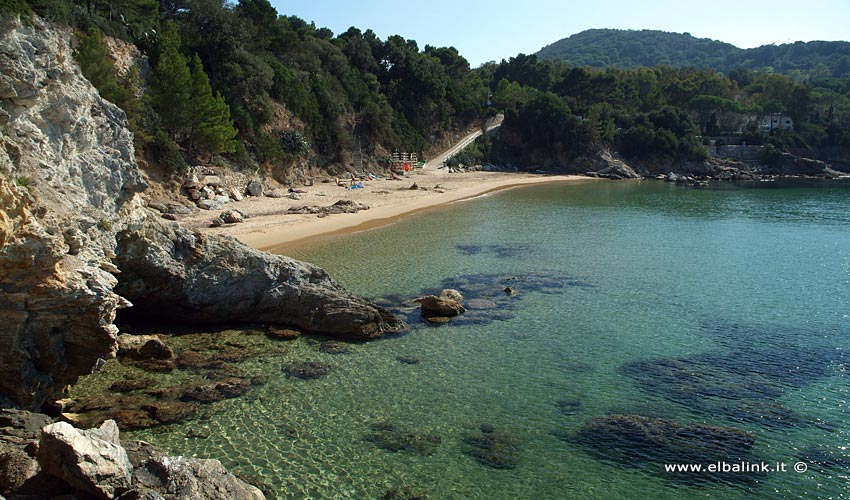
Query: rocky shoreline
x=78, y=244
x=40, y=459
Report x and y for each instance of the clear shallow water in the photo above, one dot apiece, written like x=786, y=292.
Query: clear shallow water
x=724, y=278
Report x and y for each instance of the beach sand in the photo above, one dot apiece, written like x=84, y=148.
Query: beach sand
x=270, y=228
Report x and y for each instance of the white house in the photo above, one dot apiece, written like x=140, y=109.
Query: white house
x=775, y=121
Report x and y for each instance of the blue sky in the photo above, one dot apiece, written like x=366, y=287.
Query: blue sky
x=492, y=30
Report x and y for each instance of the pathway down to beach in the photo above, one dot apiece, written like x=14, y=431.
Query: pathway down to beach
x=438, y=160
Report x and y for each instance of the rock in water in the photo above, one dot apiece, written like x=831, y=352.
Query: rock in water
x=170, y=273
x=437, y=309
x=92, y=461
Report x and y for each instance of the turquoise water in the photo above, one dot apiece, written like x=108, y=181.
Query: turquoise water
x=744, y=288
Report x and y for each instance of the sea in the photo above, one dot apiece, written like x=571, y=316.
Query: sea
x=618, y=335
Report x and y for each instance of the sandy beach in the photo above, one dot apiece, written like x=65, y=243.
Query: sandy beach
x=270, y=228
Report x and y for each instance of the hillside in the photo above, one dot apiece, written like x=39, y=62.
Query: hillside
x=629, y=49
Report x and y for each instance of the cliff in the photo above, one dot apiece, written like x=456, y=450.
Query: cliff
x=70, y=192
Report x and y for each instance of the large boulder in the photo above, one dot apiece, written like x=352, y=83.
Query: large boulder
x=92, y=461
x=173, y=274
x=436, y=309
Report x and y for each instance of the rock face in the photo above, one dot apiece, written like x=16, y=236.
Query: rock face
x=169, y=272
x=67, y=179
x=603, y=164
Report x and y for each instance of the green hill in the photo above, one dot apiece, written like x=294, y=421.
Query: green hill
x=628, y=49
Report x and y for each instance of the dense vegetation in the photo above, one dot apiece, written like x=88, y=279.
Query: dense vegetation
x=240, y=82
x=239, y=79
x=629, y=49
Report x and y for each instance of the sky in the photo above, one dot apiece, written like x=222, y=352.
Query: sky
x=494, y=30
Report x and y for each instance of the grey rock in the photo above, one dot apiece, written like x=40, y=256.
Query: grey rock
x=211, y=180
x=235, y=194
x=179, y=209
x=222, y=199
x=160, y=207
x=190, y=181
x=92, y=461
x=275, y=194
x=199, y=479
x=22, y=424
x=207, y=193
x=168, y=272
x=210, y=205
x=603, y=164
x=255, y=188
x=17, y=468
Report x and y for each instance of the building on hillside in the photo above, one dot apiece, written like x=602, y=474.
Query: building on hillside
x=775, y=121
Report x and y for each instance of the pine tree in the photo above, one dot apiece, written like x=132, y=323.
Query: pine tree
x=171, y=87
x=210, y=125
x=92, y=54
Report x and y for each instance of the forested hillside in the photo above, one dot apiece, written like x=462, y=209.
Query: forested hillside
x=241, y=82
x=629, y=49
x=555, y=112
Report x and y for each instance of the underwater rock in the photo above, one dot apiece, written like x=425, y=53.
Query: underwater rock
x=307, y=370
x=143, y=347
x=391, y=438
x=437, y=320
x=166, y=412
x=407, y=360
x=498, y=251
x=150, y=365
x=283, y=333
x=568, y=406
x=633, y=439
x=132, y=384
x=825, y=459
x=492, y=448
x=719, y=383
x=198, y=433
x=334, y=347
x=487, y=428
x=404, y=493
x=216, y=391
